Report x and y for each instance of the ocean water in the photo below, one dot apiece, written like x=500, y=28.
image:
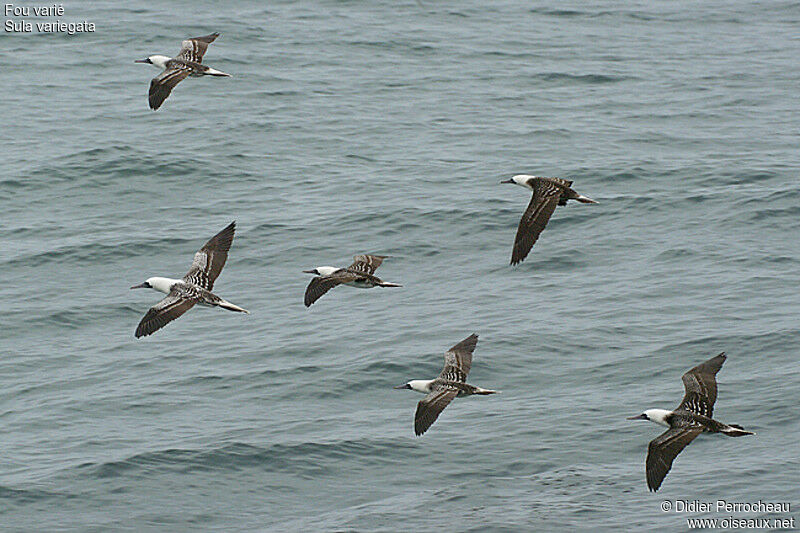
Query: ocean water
x=384, y=127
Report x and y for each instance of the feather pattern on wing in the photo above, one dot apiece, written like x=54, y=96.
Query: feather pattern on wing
x=194, y=48
x=366, y=263
x=663, y=450
x=429, y=408
x=546, y=196
x=701, y=386
x=458, y=360
x=322, y=284
x=210, y=259
x=171, y=307
x=161, y=86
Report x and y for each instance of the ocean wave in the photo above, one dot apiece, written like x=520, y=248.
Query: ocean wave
x=559, y=12
x=581, y=78
x=91, y=253
x=24, y=496
x=305, y=459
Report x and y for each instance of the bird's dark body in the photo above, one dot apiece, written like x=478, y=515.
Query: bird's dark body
x=568, y=194
x=565, y=185
x=195, y=69
x=365, y=280
x=464, y=389
x=683, y=418
x=194, y=292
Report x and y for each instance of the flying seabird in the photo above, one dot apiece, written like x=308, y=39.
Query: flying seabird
x=451, y=383
x=194, y=288
x=360, y=274
x=547, y=194
x=188, y=62
x=691, y=418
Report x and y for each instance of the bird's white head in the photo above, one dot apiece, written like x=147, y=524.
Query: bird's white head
x=520, y=179
x=419, y=385
x=159, y=284
x=155, y=60
x=322, y=271
x=659, y=416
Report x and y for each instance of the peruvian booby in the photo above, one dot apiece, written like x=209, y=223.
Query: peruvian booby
x=547, y=194
x=450, y=384
x=691, y=418
x=360, y=275
x=188, y=62
x=194, y=288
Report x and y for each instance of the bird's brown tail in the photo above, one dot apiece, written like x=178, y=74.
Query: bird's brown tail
x=231, y=307
x=735, y=430
x=215, y=72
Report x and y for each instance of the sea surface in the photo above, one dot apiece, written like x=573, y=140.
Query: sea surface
x=385, y=127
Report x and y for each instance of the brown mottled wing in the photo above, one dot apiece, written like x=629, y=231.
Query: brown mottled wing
x=701, y=386
x=193, y=49
x=663, y=450
x=322, y=284
x=210, y=259
x=161, y=86
x=366, y=263
x=428, y=408
x=164, y=312
x=544, y=201
x=560, y=181
x=458, y=360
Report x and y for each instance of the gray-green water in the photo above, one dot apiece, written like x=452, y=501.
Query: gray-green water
x=380, y=126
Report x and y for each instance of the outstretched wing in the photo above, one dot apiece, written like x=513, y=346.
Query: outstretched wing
x=663, y=450
x=559, y=181
x=458, y=360
x=164, y=312
x=322, y=284
x=208, y=262
x=546, y=195
x=194, y=48
x=701, y=386
x=161, y=86
x=428, y=408
x=366, y=263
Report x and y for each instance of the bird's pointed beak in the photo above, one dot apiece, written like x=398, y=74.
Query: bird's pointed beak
x=403, y=386
x=309, y=271
x=638, y=417
x=507, y=181
x=140, y=61
x=140, y=286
